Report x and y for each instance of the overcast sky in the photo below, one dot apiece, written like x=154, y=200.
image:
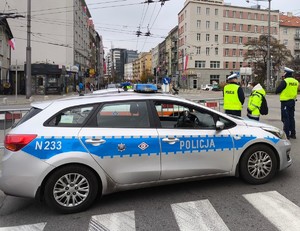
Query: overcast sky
x=119, y=20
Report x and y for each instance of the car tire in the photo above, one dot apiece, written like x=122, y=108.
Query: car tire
x=258, y=164
x=65, y=195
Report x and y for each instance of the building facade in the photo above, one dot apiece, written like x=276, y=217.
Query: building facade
x=63, y=34
x=211, y=38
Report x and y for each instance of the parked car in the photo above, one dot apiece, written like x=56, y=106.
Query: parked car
x=69, y=151
x=207, y=87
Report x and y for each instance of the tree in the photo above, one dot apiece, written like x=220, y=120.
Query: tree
x=257, y=54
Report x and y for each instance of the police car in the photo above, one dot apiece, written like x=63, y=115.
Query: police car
x=70, y=151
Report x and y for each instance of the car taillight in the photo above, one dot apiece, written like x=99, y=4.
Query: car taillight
x=14, y=142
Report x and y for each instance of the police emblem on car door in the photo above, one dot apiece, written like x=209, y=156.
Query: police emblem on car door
x=122, y=142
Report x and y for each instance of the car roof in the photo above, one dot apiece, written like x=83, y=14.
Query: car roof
x=105, y=97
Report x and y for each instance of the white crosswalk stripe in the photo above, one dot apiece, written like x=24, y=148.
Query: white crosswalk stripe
x=280, y=211
x=198, y=215
x=124, y=221
x=33, y=227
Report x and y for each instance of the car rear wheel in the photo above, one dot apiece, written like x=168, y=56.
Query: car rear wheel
x=71, y=189
x=258, y=164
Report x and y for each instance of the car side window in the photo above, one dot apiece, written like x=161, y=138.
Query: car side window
x=181, y=116
x=129, y=114
x=75, y=116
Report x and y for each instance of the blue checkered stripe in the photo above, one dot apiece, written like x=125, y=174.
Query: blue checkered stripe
x=47, y=147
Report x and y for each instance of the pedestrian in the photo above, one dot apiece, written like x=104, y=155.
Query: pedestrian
x=255, y=101
x=288, y=90
x=80, y=86
x=234, y=97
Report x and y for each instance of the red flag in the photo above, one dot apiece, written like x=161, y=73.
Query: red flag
x=11, y=43
x=186, y=62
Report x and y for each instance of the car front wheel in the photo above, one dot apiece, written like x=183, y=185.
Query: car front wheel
x=258, y=164
x=71, y=189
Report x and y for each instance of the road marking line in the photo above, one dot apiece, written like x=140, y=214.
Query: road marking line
x=33, y=227
x=124, y=221
x=280, y=211
x=198, y=215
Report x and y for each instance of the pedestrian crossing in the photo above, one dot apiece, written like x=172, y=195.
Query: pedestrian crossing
x=282, y=213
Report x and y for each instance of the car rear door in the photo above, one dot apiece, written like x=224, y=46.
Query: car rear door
x=123, y=142
x=192, y=150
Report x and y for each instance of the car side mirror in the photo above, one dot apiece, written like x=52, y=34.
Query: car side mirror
x=220, y=125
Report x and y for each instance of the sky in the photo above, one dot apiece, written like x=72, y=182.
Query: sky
x=118, y=21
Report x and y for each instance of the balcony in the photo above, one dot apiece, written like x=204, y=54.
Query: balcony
x=297, y=36
x=297, y=48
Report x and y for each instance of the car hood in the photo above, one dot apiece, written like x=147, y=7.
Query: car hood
x=254, y=123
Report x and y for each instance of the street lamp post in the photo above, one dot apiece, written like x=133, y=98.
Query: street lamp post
x=268, y=48
x=268, y=43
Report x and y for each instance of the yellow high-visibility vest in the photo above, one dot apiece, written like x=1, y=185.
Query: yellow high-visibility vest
x=291, y=90
x=231, y=98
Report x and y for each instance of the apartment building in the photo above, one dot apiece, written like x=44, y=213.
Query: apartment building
x=290, y=33
x=211, y=38
x=62, y=34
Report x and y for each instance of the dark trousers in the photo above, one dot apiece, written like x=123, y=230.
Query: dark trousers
x=288, y=117
x=234, y=112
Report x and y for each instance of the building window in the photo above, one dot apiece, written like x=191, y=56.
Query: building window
x=226, y=26
x=255, y=16
x=285, y=31
x=241, y=27
x=241, y=14
x=274, y=30
x=249, y=28
x=216, y=11
x=285, y=42
x=226, y=65
x=233, y=14
x=198, y=23
x=240, y=40
x=207, y=11
x=241, y=53
x=234, y=52
x=226, y=52
x=262, y=30
x=233, y=27
x=249, y=15
x=216, y=51
x=215, y=78
x=226, y=13
x=226, y=39
x=216, y=38
x=207, y=37
x=216, y=25
x=262, y=17
x=199, y=64
x=198, y=50
x=198, y=37
x=241, y=64
x=207, y=24
x=214, y=64
x=233, y=39
x=234, y=65
x=198, y=10
x=207, y=51
x=255, y=29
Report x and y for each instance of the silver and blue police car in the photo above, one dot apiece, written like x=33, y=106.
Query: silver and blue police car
x=70, y=151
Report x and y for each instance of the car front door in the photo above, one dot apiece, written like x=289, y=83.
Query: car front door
x=123, y=142
x=190, y=143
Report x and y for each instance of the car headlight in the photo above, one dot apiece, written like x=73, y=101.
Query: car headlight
x=276, y=132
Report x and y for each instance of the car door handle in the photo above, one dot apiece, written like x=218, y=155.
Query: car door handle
x=95, y=142
x=170, y=140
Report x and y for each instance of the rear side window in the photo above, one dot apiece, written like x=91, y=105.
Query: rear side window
x=71, y=117
x=31, y=113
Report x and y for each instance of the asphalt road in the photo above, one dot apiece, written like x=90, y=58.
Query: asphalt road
x=228, y=203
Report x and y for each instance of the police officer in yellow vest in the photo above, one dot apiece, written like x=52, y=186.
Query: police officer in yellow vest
x=288, y=89
x=234, y=97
